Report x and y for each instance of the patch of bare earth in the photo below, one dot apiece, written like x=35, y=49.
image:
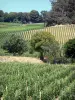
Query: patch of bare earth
x=19, y=59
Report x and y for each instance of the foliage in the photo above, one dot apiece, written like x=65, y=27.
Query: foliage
x=44, y=16
x=51, y=50
x=22, y=81
x=21, y=17
x=61, y=60
x=62, y=33
x=1, y=13
x=69, y=48
x=35, y=17
x=15, y=45
x=1, y=16
x=63, y=11
x=40, y=40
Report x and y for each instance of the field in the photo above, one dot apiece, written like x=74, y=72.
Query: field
x=14, y=27
x=24, y=81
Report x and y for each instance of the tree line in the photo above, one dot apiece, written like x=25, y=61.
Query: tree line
x=22, y=17
x=62, y=12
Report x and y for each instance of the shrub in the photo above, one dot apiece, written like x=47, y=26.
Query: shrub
x=69, y=49
x=15, y=45
x=44, y=42
x=61, y=60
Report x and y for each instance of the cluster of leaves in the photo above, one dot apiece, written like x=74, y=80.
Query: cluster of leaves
x=63, y=11
x=15, y=45
x=20, y=17
x=69, y=48
x=45, y=43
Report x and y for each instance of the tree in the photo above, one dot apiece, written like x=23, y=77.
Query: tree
x=12, y=16
x=6, y=17
x=69, y=49
x=34, y=16
x=51, y=51
x=1, y=13
x=1, y=16
x=15, y=45
x=25, y=18
x=40, y=40
x=44, y=16
x=20, y=16
x=63, y=11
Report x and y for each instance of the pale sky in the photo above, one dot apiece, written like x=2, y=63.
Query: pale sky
x=24, y=5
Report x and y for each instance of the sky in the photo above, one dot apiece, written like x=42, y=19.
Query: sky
x=24, y=5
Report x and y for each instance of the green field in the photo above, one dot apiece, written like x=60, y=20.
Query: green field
x=21, y=81
x=14, y=27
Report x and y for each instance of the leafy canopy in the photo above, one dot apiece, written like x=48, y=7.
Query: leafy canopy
x=15, y=45
x=44, y=42
x=69, y=48
x=40, y=39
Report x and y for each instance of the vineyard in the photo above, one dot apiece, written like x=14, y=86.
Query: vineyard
x=21, y=81
x=62, y=33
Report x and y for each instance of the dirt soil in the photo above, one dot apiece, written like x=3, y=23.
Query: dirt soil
x=19, y=59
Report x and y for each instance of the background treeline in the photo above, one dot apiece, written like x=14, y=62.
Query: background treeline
x=22, y=17
x=62, y=12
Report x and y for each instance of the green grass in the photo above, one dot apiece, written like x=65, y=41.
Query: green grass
x=13, y=27
x=21, y=81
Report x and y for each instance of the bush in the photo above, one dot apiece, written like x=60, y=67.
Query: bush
x=44, y=43
x=69, y=49
x=15, y=45
x=61, y=60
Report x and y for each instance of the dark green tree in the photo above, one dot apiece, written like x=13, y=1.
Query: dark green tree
x=1, y=16
x=44, y=16
x=51, y=50
x=69, y=49
x=63, y=11
x=1, y=13
x=20, y=14
x=25, y=18
x=15, y=45
x=6, y=17
x=34, y=16
x=12, y=16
